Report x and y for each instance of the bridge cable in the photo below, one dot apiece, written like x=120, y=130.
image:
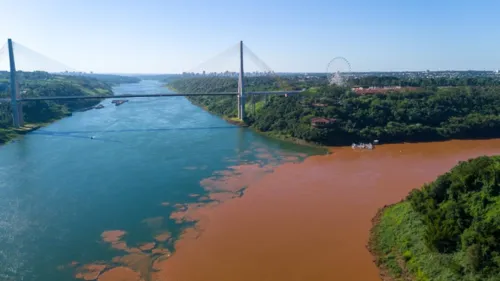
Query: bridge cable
x=25, y=51
x=215, y=59
x=255, y=59
x=3, y=52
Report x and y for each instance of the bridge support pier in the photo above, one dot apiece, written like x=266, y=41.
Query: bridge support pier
x=241, y=88
x=20, y=116
x=17, y=109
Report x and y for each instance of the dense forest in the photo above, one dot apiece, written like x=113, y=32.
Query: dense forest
x=428, y=114
x=448, y=230
x=39, y=84
x=382, y=81
x=113, y=79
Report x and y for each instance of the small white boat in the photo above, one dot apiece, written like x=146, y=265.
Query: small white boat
x=362, y=146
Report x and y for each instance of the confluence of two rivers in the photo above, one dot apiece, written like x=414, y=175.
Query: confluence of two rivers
x=114, y=207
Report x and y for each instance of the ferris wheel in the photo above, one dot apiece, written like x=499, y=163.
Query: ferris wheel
x=336, y=70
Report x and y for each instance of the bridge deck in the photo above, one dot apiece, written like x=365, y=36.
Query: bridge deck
x=147, y=96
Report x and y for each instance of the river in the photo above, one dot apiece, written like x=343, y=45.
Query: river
x=311, y=220
x=60, y=189
x=119, y=203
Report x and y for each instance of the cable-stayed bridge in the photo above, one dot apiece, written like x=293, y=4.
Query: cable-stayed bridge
x=12, y=50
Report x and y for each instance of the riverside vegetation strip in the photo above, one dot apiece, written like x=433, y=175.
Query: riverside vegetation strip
x=43, y=84
x=437, y=110
x=448, y=230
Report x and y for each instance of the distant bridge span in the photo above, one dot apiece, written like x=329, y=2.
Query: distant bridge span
x=146, y=96
x=16, y=99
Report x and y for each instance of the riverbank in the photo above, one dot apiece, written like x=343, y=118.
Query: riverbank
x=40, y=113
x=446, y=230
x=391, y=266
x=276, y=134
x=237, y=122
x=337, y=116
x=231, y=120
x=11, y=134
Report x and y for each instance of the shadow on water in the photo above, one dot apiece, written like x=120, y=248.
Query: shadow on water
x=75, y=134
x=135, y=130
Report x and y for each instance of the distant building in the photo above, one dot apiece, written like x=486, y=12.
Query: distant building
x=319, y=122
x=381, y=90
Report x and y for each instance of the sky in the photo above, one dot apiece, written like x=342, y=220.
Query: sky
x=171, y=36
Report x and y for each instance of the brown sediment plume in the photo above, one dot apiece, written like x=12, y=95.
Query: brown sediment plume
x=147, y=246
x=291, y=158
x=222, y=196
x=190, y=213
x=160, y=251
x=133, y=250
x=180, y=206
x=120, y=246
x=112, y=236
x=264, y=155
x=182, y=214
x=136, y=265
x=224, y=185
x=138, y=262
x=90, y=271
x=236, y=178
x=310, y=220
x=163, y=237
x=120, y=273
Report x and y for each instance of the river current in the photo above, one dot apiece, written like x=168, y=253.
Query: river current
x=152, y=190
x=127, y=168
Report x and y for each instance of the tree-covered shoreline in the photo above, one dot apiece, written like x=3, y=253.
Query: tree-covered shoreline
x=447, y=230
x=40, y=84
x=427, y=114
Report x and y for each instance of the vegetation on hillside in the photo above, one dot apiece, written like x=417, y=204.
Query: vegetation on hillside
x=40, y=84
x=448, y=230
x=381, y=81
x=158, y=77
x=428, y=114
x=113, y=79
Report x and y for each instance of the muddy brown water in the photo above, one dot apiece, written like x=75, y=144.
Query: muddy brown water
x=311, y=220
x=303, y=221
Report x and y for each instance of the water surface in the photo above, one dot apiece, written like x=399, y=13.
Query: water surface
x=311, y=220
x=60, y=189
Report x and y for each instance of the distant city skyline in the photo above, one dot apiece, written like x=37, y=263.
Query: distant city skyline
x=158, y=36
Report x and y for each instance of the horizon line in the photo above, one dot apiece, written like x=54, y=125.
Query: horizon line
x=276, y=72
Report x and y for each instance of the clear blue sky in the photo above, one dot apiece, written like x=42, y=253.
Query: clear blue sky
x=166, y=36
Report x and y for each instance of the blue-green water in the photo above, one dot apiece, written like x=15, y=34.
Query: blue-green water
x=60, y=189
